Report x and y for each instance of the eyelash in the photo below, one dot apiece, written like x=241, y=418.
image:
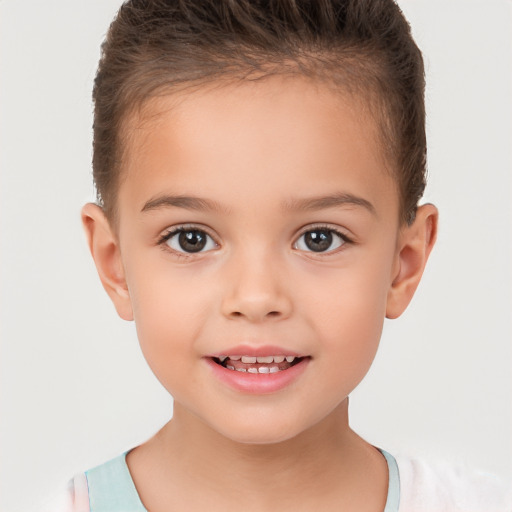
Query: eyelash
x=172, y=232
x=345, y=240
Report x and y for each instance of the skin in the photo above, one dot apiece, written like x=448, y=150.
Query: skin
x=257, y=153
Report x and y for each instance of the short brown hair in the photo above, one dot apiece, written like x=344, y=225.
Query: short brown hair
x=366, y=46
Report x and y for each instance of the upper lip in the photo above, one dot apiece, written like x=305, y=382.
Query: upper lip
x=259, y=351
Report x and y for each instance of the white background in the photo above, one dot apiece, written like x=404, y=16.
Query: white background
x=75, y=390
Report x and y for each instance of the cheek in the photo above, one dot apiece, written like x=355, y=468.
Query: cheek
x=352, y=327
x=354, y=296
x=169, y=309
x=351, y=316
x=352, y=331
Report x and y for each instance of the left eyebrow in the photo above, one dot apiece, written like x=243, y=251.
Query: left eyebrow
x=331, y=201
x=186, y=202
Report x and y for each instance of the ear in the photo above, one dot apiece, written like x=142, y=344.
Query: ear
x=415, y=243
x=104, y=247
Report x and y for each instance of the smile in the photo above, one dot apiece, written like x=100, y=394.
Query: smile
x=258, y=371
x=258, y=364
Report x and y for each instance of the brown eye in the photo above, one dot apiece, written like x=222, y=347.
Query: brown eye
x=190, y=241
x=320, y=240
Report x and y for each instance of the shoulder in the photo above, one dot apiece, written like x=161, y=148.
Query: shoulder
x=73, y=498
x=108, y=487
x=426, y=486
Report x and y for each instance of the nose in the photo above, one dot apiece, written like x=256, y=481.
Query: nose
x=256, y=289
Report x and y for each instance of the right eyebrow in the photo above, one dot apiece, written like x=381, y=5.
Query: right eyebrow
x=180, y=201
x=331, y=201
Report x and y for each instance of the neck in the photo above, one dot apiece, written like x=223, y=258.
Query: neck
x=189, y=451
x=189, y=438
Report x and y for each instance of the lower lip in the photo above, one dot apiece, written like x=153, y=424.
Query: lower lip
x=258, y=383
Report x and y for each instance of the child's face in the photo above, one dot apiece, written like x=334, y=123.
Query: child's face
x=281, y=189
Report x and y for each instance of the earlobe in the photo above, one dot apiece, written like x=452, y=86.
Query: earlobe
x=106, y=253
x=415, y=244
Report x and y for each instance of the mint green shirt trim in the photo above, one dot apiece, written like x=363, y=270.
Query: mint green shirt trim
x=111, y=488
x=393, y=499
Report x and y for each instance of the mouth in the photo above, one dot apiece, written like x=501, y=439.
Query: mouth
x=258, y=364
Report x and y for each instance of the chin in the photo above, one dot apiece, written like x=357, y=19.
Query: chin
x=259, y=432
x=261, y=438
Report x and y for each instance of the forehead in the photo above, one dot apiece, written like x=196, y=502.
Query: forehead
x=286, y=132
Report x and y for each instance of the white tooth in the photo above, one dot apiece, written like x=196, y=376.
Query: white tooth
x=241, y=370
x=230, y=367
x=263, y=369
x=222, y=358
x=265, y=359
x=248, y=359
x=290, y=358
x=274, y=369
x=234, y=358
x=278, y=359
x=252, y=370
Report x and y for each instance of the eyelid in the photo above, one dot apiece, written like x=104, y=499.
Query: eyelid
x=186, y=226
x=343, y=232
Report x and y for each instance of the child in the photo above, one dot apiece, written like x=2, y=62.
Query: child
x=259, y=168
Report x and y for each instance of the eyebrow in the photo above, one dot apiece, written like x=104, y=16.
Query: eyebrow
x=187, y=202
x=206, y=205
x=331, y=201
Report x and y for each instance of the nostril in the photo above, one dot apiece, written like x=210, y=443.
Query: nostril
x=270, y=314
